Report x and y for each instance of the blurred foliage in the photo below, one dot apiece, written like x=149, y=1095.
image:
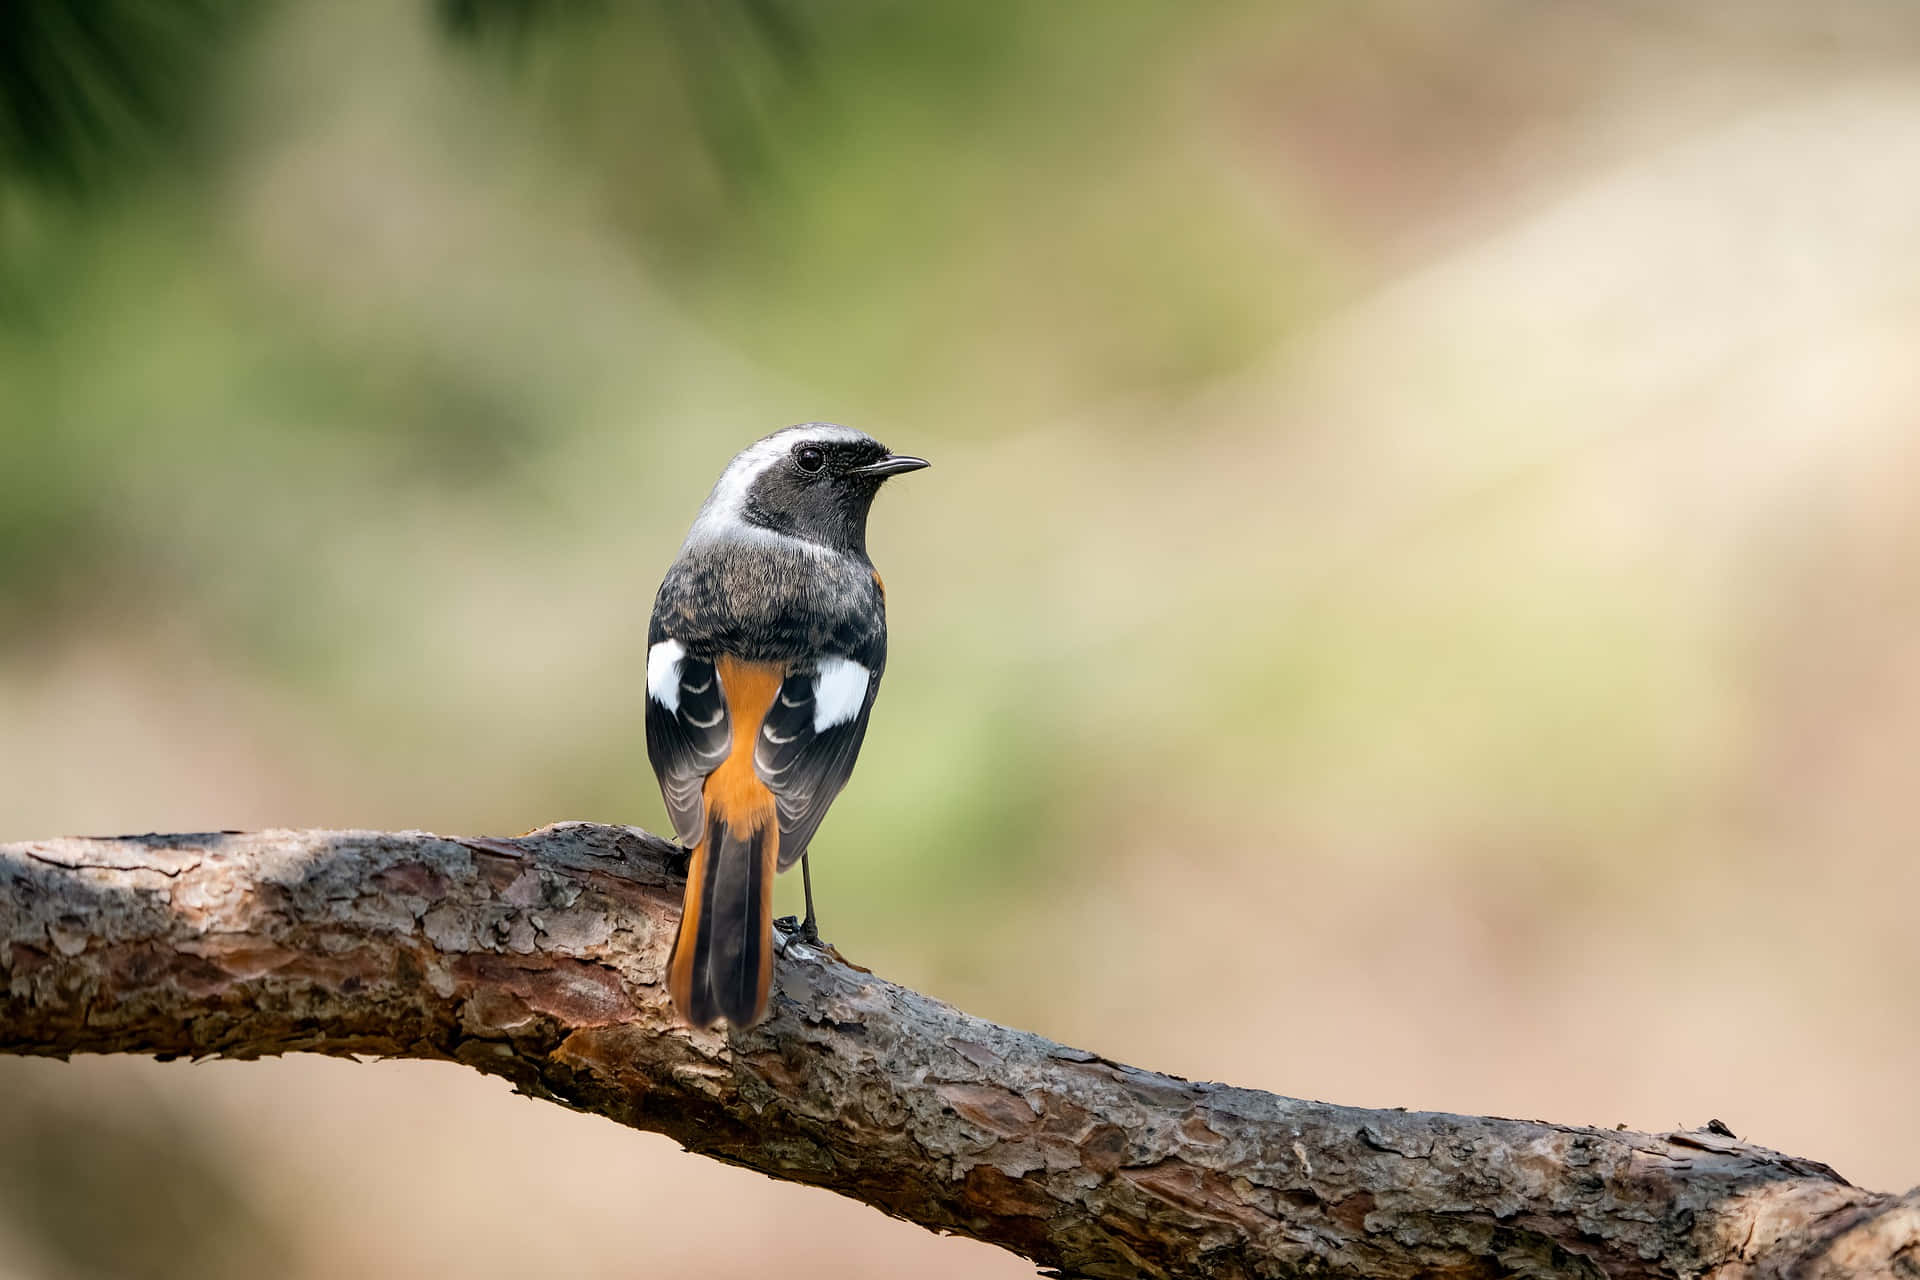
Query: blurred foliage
x=163, y=352
x=510, y=19
x=1401, y=436
x=86, y=88
x=84, y=85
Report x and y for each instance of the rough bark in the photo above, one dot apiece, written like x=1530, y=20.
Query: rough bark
x=541, y=959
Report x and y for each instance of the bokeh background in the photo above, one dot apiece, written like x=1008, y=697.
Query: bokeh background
x=1418, y=602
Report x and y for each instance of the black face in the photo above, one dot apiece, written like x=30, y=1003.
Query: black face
x=822, y=490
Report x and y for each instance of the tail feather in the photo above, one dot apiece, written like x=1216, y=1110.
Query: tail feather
x=722, y=965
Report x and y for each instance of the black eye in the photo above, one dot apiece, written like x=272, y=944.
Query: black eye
x=808, y=458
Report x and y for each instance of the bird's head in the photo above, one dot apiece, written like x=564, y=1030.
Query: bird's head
x=814, y=482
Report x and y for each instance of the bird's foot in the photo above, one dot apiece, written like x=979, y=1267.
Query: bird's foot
x=798, y=930
x=678, y=859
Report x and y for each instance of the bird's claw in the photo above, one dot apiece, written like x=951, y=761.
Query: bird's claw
x=678, y=859
x=797, y=930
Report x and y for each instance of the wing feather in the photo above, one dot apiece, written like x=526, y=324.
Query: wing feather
x=686, y=742
x=806, y=765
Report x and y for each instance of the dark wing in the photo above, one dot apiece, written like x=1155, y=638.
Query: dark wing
x=687, y=733
x=810, y=739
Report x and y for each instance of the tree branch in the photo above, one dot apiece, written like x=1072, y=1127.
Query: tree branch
x=541, y=959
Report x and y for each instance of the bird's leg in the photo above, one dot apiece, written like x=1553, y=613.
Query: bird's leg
x=797, y=930
x=810, y=927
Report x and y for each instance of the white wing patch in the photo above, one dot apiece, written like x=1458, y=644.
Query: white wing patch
x=663, y=674
x=839, y=690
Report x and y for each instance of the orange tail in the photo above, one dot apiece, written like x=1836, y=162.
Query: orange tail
x=722, y=965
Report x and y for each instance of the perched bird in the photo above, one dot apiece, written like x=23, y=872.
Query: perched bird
x=768, y=639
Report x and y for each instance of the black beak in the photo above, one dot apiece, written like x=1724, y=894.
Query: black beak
x=894, y=464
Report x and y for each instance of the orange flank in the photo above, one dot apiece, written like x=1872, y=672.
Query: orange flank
x=881, y=585
x=734, y=791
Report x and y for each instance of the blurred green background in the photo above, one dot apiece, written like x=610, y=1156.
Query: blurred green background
x=1418, y=602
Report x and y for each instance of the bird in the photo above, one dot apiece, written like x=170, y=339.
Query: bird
x=764, y=655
